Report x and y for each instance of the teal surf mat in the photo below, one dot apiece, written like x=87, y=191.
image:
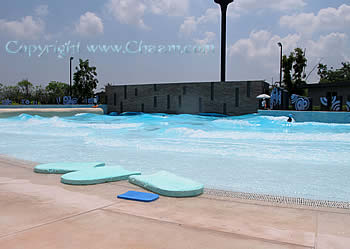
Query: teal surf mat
x=65, y=167
x=97, y=175
x=130, y=113
x=168, y=184
x=213, y=115
x=139, y=196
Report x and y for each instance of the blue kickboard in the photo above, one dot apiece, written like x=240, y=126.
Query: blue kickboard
x=139, y=196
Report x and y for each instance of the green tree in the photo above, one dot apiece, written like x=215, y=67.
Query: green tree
x=40, y=95
x=12, y=92
x=26, y=88
x=287, y=66
x=323, y=73
x=293, y=71
x=1, y=91
x=299, y=66
x=56, y=89
x=85, y=80
x=331, y=75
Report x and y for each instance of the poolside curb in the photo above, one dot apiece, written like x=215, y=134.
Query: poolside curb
x=279, y=199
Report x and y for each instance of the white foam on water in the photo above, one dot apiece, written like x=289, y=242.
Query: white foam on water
x=279, y=118
x=234, y=123
x=259, y=136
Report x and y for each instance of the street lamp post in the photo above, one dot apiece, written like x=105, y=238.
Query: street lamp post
x=70, y=76
x=280, y=45
x=223, y=5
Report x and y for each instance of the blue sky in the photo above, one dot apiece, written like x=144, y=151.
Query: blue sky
x=253, y=29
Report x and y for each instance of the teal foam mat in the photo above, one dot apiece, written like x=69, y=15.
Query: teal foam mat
x=97, y=175
x=213, y=115
x=168, y=184
x=65, y=167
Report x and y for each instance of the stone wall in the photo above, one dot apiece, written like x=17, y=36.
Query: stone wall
x=231, y=98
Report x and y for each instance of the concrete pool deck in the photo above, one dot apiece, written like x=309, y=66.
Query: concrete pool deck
x=37, y=211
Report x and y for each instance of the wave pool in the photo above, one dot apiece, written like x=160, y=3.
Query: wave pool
x=251, y=153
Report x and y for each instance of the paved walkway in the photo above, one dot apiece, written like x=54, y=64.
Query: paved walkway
x=38, y=212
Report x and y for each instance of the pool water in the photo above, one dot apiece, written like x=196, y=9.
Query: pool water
x=250, y=153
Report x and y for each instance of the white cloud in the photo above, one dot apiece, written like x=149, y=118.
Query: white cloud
x=89, y=24
x=332, y=47
x=128, y=11
x=42, y=10
x=169, y=7
x=208, y=37
x=281, y=5
x=236, y=9
x=262, y=43
x=257, y=57
x=240, y=7
x=329, y=19
x=189, y=25
x=211, y=16
x=260, y=54
x=133, y=11
x=27, y=28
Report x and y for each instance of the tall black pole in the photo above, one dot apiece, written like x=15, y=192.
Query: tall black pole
x=70, y=76
x=280, y=45
x=223, y=43
x=223, y=5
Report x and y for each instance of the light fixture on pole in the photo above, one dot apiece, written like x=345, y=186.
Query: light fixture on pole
x=70, y=76
x=280, y=45
x=223, y=5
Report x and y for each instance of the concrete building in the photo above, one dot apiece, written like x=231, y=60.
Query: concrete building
x=339, y=89
x=231, y=98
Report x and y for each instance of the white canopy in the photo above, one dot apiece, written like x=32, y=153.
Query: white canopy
x=263, y=96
